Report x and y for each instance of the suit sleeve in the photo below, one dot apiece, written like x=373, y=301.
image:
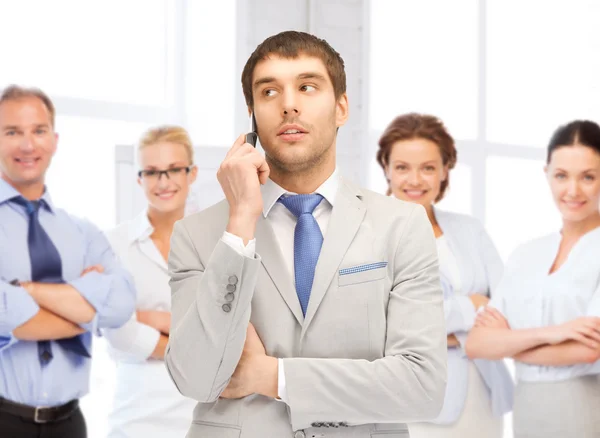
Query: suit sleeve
x=409, y=382
x=208, y=329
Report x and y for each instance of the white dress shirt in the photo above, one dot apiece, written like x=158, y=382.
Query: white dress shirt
x=146, y=403
x=528, y=296
x=283, y=223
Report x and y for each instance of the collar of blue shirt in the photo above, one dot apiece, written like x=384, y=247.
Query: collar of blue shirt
x=271, y=191
x=7, y=192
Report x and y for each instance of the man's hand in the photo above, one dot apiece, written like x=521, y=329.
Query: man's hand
x=240, y=176
x=479, y=300
x=256, y=373
x=491, y=318
x=95, y=268
x=157, y=319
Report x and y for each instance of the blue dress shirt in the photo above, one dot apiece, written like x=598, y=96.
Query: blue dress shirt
x=112, y=294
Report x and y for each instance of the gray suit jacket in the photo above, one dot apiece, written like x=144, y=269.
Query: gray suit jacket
x=370, y=353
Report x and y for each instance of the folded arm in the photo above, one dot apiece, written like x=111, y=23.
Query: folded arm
x=492, y=338
x=46, y=326
x=498, y=343
x=63, y=300
x=408, y=383
x=565, y=354
x=110, y=293
x=141, y=338
x=21, y=318
x=207, y=332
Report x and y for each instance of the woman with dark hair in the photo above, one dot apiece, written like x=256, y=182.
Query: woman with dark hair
x=417, y=153
x=546, y=311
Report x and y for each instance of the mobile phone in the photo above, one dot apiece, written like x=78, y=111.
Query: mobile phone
x=252, y=136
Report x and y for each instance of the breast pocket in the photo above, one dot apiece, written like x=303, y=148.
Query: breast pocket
x=361, y=274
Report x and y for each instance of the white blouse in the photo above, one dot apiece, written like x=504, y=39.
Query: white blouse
x=449, y=265
x=528, y=296
x=146, y=402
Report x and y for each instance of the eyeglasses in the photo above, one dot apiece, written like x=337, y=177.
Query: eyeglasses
x=155, y=175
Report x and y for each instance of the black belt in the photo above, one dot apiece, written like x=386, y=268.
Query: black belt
x=39, y=415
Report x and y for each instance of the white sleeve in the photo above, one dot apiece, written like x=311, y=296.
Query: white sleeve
x=281, y=389
x=133, y=341
x=236, y=243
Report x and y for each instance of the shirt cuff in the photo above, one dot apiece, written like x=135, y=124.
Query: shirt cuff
x=237, y=243
x=16, y=308
x=91, y=326
x=281, y=388
x=95, y=288
x=467, y=310
x=132, y=342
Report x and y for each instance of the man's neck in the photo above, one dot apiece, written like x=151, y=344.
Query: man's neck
x=303, y=182
x=31, y=191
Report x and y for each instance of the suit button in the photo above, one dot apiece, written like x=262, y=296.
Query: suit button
x=229, y=297
x=232, y=280
x=226, y=307
x=299, y=434
x=230, y=288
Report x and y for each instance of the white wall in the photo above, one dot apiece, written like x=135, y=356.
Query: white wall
x=500, y=76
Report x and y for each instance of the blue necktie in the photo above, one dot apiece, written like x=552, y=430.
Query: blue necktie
x=307, y=243
x=46, y=267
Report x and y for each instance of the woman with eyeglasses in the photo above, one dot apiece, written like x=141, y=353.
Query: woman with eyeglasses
x=146, y=403
x=546, y=311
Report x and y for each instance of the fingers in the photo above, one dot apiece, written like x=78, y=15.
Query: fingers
x=590, y=343
x=485, y=319
x=591, y=333
x=96, y=268
x=494, y=313
x=236, y=145
x=263, y=172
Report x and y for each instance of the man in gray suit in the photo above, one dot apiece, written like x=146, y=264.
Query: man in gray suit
x=303, y=305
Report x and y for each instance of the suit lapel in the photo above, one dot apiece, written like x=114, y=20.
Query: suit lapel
x=346, y=216
x=272, y=259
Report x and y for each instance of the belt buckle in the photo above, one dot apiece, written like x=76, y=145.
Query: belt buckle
x=36, y=418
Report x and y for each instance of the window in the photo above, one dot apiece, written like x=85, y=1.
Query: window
x=519, y=203
x=543, y=67
x=81, y=178
x=458, y=196
x=113, y=50
x=212, y=77
x=424, y=58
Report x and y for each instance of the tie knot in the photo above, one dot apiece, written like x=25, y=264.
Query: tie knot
x=30, y=206
x=301, y=204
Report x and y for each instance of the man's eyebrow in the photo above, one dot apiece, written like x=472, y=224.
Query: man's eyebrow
x=307, y=75
x=262, y=81
x=312, y=75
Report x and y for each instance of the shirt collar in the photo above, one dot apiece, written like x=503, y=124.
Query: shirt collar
x=271, y=191
x=7, y=192
x=140, y=227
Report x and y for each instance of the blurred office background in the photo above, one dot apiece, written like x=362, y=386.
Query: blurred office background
x=502, y=74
